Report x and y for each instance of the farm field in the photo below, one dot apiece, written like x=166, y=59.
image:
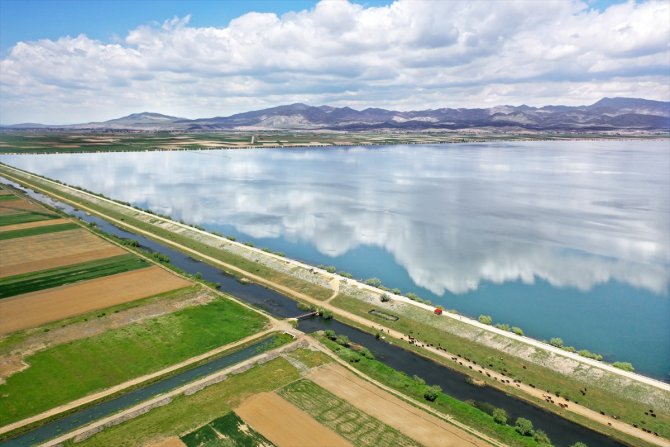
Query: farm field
x=37, y=308
x=46, y=279
x=49, y=250
x=179, y=418
x=18, y=217
x=418, y=425
x=5, y=235
x=283, y=424
x=75, y=369
x=39, y=223
x=346, y=420
x=225, y=431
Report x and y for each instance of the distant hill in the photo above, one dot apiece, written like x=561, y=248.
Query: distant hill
x=606, y=114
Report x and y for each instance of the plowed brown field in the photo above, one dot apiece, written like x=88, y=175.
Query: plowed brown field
x=36, y=308
x=45, y=251
x=285, y=425
x=413, y=422
x=21, y=205
x=40, y=223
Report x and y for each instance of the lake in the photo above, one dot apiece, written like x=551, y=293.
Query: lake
x=563, y=239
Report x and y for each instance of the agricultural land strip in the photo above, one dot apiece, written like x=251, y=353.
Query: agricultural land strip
x=19, y=218
x=39, y=223
x=284, y=424
x=37, y=308
x=73, y=370
x=418, y=425
x=47, y=279
x=37, y=230
x=50, y=250
x=228, y=430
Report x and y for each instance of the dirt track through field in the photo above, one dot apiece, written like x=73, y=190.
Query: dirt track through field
x=39, y=223
x=36, y=308
x=169, y=442
x=45, y=251
x=284, y=424
x=418, y=425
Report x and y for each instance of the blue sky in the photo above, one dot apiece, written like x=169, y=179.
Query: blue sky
x=72, y=60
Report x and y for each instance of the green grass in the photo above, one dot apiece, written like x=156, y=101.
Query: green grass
x=69, y=371
x=343, y=418
x=46, y=279
x=225, y=431
x=8, y=197
x=19, y=218
x=37, y=230
x=185, y=413
x=416, y=322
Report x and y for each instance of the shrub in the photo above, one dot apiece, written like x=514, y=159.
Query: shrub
x=499, y=416
x=590, y=355
x=504, y=327
x=485, y=319
x=385, y=298
x=345, y=274
x=374, y=282
x=579, y=444
x=330, y=334
x=343, y=340
x=326, y=314
x=396, y=291
x=524, y=426
x=517, y=330
x=432, y=392
x=418, y=380
x=556, y=341
x=541, y=437
x=626, y=366
x=331, y=269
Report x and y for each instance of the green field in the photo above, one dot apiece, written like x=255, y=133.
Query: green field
x=186, y=413
x=46, y=279
x=19, y=218
x=343, y=418
x=73, y=370
x=8, y=197
x=37, y=230
x=225, y=431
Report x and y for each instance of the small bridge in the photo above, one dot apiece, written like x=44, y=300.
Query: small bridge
x=307, y=315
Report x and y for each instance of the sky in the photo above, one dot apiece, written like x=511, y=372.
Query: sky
x=73, y=61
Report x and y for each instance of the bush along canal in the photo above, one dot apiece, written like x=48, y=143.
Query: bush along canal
x=562, y=432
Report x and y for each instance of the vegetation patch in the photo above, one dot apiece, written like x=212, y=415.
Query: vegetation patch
x=46, y=279
x=37, y=230
x=346, y=420
x=226, y=431
x=8, y=197
x=384, y=315
x=76, y=369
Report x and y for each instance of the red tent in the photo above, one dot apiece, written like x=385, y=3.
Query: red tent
x=438, y=311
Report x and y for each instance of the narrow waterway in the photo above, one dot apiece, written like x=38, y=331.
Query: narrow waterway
x=562, y=432
x=95, y=412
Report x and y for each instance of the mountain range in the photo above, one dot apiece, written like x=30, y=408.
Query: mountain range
x=606, y=114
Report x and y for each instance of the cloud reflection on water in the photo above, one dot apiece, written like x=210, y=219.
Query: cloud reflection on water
x=574, y=214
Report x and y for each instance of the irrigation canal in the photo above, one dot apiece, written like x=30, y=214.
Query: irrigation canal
x=562, y=432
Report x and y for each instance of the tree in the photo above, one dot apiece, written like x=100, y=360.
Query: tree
x=485, y=319
x=524, y=426
x=541, y=437
x=499, y=416
x=331, y=334
x=517, y=330
x=385, y=298
x=432, y=392
x=396, y=291
x=556, y=341
x=343, y=340
x=626, y=366
x=326, y=314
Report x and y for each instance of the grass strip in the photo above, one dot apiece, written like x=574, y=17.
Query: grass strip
x=19, y=218
x=37, y=230
x=76, y=369
x=8, y=197
x=352, y=424
x=46, y=279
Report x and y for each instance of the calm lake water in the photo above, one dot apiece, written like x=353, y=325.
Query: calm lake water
x=563, y=239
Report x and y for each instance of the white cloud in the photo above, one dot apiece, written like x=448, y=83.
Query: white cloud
x=410, y=54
